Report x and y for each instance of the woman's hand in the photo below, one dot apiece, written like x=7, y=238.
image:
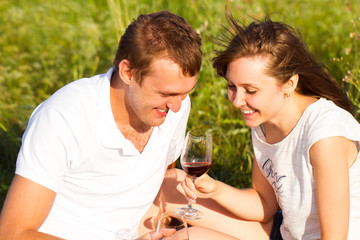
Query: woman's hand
x=202, y=187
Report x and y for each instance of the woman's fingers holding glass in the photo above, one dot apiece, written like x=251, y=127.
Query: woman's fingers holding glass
x=205, y=186
x=187, y=188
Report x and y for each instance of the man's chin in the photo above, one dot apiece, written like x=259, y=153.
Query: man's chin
x=158, y=122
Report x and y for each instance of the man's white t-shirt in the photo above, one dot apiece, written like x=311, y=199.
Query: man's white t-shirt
x=287, y=167
x=73, y=147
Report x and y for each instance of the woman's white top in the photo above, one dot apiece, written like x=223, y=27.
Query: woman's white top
x=286, y=165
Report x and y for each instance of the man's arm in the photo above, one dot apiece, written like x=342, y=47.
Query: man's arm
x=26, y=207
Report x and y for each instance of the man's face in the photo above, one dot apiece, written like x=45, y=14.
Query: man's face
x=162, y=89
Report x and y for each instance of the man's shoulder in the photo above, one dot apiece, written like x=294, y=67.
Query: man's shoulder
x=82, y=95
x=83, y=86
x=79, y=90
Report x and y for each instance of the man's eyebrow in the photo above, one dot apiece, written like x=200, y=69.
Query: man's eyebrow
x=227, y=80
x=168, y=93
x=192, y=89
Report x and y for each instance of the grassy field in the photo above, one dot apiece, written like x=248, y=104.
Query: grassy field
x=46, y=44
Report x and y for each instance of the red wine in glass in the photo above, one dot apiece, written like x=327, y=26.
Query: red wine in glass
x=177, y=221
x=196, y=169
x=196, y=159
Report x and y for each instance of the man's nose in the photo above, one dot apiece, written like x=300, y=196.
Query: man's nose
x=174, y=104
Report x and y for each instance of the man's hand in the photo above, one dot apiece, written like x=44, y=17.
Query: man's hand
x=165, y=232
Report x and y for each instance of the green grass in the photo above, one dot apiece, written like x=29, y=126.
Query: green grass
x=46, y=44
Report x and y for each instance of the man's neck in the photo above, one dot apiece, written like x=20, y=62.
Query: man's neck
x=132, y=129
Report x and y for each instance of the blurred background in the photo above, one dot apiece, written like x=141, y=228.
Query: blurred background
x=46, y=44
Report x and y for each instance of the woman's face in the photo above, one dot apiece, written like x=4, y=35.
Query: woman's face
x=257, y=95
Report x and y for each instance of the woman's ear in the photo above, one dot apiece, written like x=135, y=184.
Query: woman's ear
x=290, y=86
x=125, y=72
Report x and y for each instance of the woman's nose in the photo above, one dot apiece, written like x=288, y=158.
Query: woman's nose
x=237, y=98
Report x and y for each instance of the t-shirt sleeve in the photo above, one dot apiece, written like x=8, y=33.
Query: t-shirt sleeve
x=334, y=123
x=44, y=154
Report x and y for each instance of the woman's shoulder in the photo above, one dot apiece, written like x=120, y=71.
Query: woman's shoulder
x=325, y=110
x=325, y=119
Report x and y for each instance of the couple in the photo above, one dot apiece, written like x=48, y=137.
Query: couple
x=95, y=154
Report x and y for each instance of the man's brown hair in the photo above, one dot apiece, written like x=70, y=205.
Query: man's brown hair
x=159, y=35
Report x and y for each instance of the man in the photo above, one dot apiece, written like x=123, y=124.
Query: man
x=95, y=153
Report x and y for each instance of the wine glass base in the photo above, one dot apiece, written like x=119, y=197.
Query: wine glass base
x=190, y=213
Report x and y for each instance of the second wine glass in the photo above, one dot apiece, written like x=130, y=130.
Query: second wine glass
x=176, y=221
x=196, y=159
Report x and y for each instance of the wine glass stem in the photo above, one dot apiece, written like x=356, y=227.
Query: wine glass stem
x=190, y=206
x=190, y=209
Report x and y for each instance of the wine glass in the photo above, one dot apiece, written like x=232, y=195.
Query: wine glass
x=173, y=220
x=196, y=159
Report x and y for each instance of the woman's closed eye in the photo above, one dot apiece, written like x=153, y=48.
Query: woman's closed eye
x=231, y=86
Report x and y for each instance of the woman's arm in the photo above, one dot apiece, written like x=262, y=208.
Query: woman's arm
x=331, y=158
x=216, y=217
x=255, y=204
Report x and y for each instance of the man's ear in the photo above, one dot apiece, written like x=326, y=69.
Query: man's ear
x=290, y=86
x=125, y=72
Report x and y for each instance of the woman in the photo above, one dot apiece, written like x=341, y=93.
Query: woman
x=306, y=141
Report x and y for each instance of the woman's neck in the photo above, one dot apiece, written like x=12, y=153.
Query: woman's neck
x=292, y=112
